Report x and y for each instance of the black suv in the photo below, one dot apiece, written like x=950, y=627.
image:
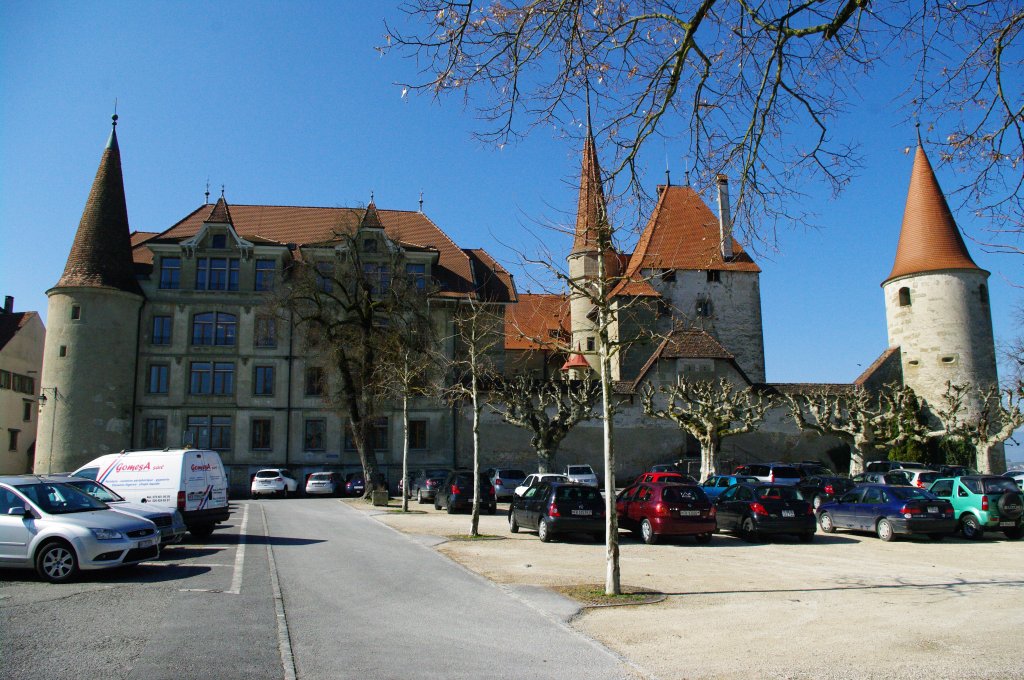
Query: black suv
x=456, y=493
x=558, y=508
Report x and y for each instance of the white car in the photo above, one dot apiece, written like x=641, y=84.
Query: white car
x=922, y=479
x=273, y=482
x=537, y=477
x=582, y=474
x=1017, y=476
x=324, y=484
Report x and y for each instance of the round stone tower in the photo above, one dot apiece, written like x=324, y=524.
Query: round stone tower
x=87, y=386
x=936, y=300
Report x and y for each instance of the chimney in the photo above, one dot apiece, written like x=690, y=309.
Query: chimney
x=724, y=220
x=8, y=304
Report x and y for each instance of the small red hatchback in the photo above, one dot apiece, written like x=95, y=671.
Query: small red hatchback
x=657, y=509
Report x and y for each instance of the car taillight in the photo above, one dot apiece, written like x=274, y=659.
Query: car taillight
x=491, y=491
x=830, y=490
x=181, y=500
x=758, y=509
x=713, y=511
x=498, y=482
x=431, y=482
x=908, y=510
x=553, y=511
x=455, y=490
x=808, y=509
x=771, y=477
x=919, y=484
x=661, y=510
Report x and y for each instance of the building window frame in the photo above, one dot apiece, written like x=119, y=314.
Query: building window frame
x=265, y=334
x=160, y=330
x=214, y=329
x=217, y=273
x=170, y=273
x=154, y=436
x=209, y=432
x=159, y=379
x=314, y=381
x=261, y=434
x=263, y=381
x=418, y=434
x=314, y=434
x=266, y=273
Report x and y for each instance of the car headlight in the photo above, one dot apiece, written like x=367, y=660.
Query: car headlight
x=106, y=534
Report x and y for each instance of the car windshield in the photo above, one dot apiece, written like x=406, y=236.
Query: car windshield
x=512, y=474
x=671, y=494
x=779, y=493
x=909, y=493
x=1000, y=486
x=786, y=472
x=60, y=499
x=320, y=476
x=266, y=474
x=577, y=493
x=580, y=470
x=97, y=491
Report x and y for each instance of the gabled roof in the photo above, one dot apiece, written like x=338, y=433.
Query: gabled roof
x=537, y=322
x=459, y=272
x=683, y=233
x=11, y=323
x=929, y=237
x=688, y=343
x=101, y=255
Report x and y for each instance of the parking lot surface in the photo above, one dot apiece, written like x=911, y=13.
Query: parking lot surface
x=846, y=605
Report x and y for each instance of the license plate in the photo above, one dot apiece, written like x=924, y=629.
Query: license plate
x=1007, y=524
x=149, y=542
x=788, y=513
x=583, y=512
x=932, y=509
x=689, y=513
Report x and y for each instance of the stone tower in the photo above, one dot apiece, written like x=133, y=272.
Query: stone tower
x=89, y=359
x=936, y=299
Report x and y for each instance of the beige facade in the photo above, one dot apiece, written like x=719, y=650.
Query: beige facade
x=21, y=358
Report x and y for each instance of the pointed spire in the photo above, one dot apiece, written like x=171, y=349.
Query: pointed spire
x=370, y=217
x=929, y=237
x=220, y=213
x=101, y=255
x=590, y=210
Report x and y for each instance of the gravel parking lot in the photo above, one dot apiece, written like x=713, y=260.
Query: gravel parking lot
x=845, y=606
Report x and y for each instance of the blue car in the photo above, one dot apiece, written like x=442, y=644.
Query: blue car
x=889, y=510
x=714, y=485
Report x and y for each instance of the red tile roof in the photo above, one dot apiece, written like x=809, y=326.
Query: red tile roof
x=929, y=237
x=591, y=209
x=688, y=343
x=538, y=322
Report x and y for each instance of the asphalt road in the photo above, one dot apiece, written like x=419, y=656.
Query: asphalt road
x=298, y=588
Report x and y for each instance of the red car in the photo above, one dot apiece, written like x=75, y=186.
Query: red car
x=656, y=509
x=675, y=477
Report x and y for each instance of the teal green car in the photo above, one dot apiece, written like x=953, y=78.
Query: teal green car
x=983, y=503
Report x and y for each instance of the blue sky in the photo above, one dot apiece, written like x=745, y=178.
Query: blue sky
x=291, y=104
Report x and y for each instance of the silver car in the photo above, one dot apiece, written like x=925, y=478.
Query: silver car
x=168, y=520
x=58, y=530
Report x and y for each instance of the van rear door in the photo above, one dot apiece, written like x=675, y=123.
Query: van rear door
x=205, y=484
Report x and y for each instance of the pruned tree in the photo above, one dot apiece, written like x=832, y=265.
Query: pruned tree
x=754, y=90
x=548, y=408
x=866, y=421
x=477, y=336
x=998, y=414
x=710, y=411
x=345, y=302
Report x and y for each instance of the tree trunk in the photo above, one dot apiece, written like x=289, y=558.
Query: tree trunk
x=367, y=458
x=612, y=584
x=708, y=456
x=474, y=529
x=858, y=454
x=545, y=460
x=985, y=456
x=405, y=451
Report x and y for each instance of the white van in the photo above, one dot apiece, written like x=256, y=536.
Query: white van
x=191, y=480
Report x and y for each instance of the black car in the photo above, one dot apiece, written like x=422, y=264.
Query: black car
x=755, y=510
x=814, y=467
x=558, y=508
x=423, y=485
x=820, y=489
x=456, y=493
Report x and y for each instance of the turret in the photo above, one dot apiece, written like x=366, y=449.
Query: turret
x=936, y=299
x=89, y=358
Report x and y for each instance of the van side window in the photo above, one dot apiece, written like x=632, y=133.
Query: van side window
x=88, y=473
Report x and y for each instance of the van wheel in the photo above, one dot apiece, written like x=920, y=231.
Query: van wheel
x=201, y=531
x=56, y=562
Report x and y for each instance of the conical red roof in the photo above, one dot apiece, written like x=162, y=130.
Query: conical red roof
x=590, y=210
x=101, y=255
x=929, y=237
x=220, y=214
x=370, y=218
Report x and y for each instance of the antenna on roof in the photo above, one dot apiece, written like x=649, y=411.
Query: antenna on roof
x=222, y=191
x=207, y=190
x=421, y=201
x=668, y=172
x=371, y=195
x=687, y=171
x=918, y=126
x=114, y=117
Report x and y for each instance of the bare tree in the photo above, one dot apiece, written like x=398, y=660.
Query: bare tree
x=548, y=408
x=710, y=411
x=867, y=422
x=477, y=336
x=1001, y=412
x=346, y=310
x=753, y=90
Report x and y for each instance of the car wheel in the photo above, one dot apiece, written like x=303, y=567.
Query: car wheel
x=884, y=530
x=450, y=507
x=437, y=503
x=703, y=538
x=56, y=562
x=817, y=502
x=971, y=527
x=419, y=497
x=748, y=529
x=936, y=537
x=826, y=524
x=513, y=525
x=806, y=538
x=544, y=531
x=1014, y=533
x=201, y=531
x=647, y=533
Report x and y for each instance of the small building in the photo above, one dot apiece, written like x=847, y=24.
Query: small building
x=21, y=359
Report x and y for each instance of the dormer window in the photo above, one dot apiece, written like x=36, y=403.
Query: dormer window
x=369, y=245
x=904, y=297
x=219, y=241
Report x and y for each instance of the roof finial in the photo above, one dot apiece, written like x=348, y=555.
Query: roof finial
x=917, y=125
x=113, y=118
x=371, y=195
x=207, y=190
x=222, y=191
x=421, y=201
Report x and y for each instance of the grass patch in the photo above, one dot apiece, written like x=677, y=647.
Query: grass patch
x=399, y=511
x=468, y=537
x=593, y=595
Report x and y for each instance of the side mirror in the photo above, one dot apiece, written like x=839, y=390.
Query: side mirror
x=20, y=511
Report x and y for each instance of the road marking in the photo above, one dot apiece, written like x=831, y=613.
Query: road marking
x=284, y=643
x=236, y=579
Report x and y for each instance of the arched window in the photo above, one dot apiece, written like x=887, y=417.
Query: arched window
x=214, y=328
x=904, y=297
